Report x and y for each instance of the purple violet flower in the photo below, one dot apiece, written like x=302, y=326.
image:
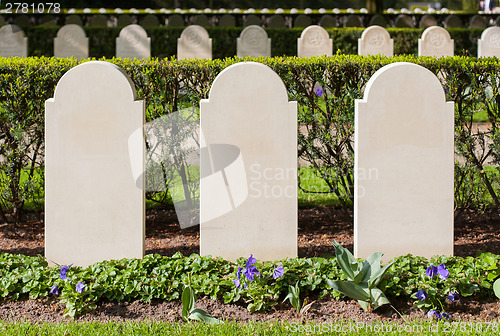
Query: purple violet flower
x=318, y=92
x=237, y=281
x=64, y=269
x=251, y=260
x=278, y=272
x=421, y=295
x=431, y=271
x=445, y=315
x=250, y=270
x=453, y=296
x=54, y=290
x=432, y=313
x=80, y=287
x=443, y=272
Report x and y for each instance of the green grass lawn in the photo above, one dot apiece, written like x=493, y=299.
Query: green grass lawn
x=254, y=328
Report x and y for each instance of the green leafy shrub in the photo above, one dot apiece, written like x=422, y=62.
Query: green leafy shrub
x=363, y=278
x=165, y=278
x=325, y=136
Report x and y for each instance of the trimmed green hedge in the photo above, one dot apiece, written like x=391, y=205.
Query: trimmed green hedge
x=473, y=84
x=102, y=40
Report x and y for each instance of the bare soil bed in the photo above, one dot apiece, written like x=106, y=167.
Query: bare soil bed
x=318, y=227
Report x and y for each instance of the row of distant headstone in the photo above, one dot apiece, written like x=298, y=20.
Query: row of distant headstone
x=94, y=143
x=274, y=21
x=195, y=42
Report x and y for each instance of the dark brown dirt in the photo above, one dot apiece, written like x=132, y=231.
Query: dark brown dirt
x=317, y=228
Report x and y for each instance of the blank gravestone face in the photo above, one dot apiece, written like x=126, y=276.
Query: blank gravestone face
x=428, y=21
x=328, y=21
x=194, y=43
x=277, y=21
x=403, y=21
x=227, y=21
x=133, y=42
x=489, y=44
x=314, y=41
x=375, y=40
x=99, y=20
x=150, y=20
x=12, y=42
x=477, y=21
x=248, y=195
x=452, y=21
x=403, y=200
x=94, y=210
x=253, y=41
x=71, y=41
x=353, y=21
x=435, y=41
x=124, y=20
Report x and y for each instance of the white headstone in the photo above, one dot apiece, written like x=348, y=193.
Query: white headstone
x=403, y=165
x=194, y=43
x=489, y=43
x=12, y=42
x=253, y=41
x=133, y=42
x=248, y=190
x=71, y=41
x=375, y=40
x=314, y=41
x=94, y=210
x=435, y=41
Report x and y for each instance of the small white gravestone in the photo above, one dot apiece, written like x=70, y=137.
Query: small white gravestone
x=375, y=40
x=435, y=41
x=403, y=165
x=194, y=43
x=71, y=41
x=314, y=41
x=133, y=42
x=94, y=210
x=489, y=43
x=253, y=41
x=248, y=190
x=12, y=42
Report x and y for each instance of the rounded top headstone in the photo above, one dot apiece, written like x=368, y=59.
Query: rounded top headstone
x=11, y=34
x=375, y=36
x=408, y=73
x=133, y=34
x=314, y=36
x=254, y=37
x=70, y=32
x=194, y=35
x=428, y=21
x=79, y=83
x=231, y=81
x=477, y=21
x=492, y=35
x=436, y=36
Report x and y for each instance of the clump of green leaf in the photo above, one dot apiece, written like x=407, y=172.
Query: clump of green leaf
x=189, y=312
x=73, y=293
x=364, y=276
x=294, y=297
x=496, y=288
x=435, y=289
